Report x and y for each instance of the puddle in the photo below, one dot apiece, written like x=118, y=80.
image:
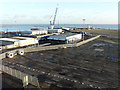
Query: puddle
x=100, y=50
x=29, y=65
x=71, y=51
x=50, y=59
x=113, y=59
x=73, y=58
x=111, y=45
x=36, y=57
x=41, y=53
x=99, y=45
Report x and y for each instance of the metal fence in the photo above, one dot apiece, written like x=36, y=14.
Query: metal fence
x=26, y=79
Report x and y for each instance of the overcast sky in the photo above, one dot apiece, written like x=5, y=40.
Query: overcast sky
x=69, y=11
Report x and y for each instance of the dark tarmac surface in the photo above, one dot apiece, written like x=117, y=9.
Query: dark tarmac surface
x=92, y=65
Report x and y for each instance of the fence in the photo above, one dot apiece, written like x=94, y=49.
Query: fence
x=22, y=76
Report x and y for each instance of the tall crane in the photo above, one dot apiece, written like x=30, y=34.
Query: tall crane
x=52, y=24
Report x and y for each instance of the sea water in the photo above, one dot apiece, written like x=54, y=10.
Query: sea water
x=27, y=27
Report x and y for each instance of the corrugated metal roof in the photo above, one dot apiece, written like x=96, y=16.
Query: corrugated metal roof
x=4, y=43
x=23, y=38
x=9, y=39
x=61, y=36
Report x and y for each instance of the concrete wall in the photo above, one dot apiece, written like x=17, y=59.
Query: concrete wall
x=20, y=75
x=88, y=40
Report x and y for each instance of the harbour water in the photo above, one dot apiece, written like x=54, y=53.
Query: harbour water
x=24, y=27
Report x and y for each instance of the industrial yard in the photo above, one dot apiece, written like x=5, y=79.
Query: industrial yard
x=60, y=58
x=92, y=65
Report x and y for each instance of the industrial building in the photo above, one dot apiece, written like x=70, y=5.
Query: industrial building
x=8, y=43
x=65, y=38
x=24, y=41
x=54, y=30
x=65, y=28
x=35, y=32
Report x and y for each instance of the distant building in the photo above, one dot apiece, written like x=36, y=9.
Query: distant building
x=34, y=32
x=65, y=28
x=54, y=30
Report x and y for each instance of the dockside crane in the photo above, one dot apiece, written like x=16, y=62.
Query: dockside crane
x=53, y=23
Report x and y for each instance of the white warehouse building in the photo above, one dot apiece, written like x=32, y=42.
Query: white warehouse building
x=14, y=42
x=65, y=38
x=35, y=32
x=54, y=30
x=24, y=41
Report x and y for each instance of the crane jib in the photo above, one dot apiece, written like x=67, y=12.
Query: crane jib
x=55, y=16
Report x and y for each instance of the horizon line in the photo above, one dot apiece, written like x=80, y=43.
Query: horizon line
x=55, y=24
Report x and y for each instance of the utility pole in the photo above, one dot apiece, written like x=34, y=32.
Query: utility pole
x=84, y=22
x=83, y=36
x=7, y=33
x=84, y=27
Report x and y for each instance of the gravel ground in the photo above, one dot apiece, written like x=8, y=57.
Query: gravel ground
x=92, y=65
x=95, y=66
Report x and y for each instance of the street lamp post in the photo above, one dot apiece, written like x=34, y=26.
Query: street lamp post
x=84, y=27
x=84, y=22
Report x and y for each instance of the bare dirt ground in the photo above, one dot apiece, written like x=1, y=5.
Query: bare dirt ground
x=108, y=35
x=92, y=65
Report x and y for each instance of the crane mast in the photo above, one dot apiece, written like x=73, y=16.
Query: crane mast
x=52, y=24
x=55, y=16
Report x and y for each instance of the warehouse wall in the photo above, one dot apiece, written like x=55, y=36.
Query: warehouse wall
x=28, y=42
x=54, y=30
x=74, y=38
x=39, y=32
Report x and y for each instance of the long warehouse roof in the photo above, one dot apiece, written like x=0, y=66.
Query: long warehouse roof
x=9, y=39
x=4, y=43
x=61, y=36
x=64, y=35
